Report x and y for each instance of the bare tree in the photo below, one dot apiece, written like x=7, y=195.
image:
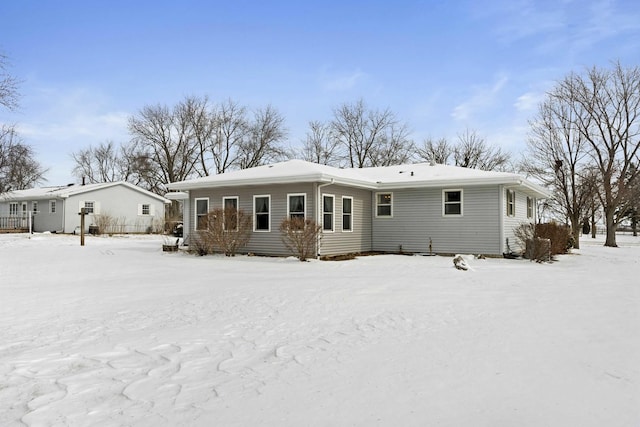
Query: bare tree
x=320, y=147
x=473, y=152
x=230, y=129
x=263, y=142
x=8, y=86
x=370, y=137
x=435, y=151
x=18, y=166
x=557, y=156
x=165, y=137
x=606, y=109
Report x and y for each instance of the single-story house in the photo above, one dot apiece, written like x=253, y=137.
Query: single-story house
x=117, y=207
x=414, y=208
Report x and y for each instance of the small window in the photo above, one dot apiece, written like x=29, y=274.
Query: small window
x=384, y=204
x=347, y=207
x=452, y=202
x=52, y=206
x=230, y=213
x=511, y=202
x=146, y=209
x=89, y=207
x=13, y=209
x=34, y=206
x=261, y=209
x=202, y=210
x=529, y=207
x=327, y=213
x=296, y=205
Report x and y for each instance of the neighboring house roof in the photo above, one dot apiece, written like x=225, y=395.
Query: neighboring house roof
x=63, y=192
x=419, y=175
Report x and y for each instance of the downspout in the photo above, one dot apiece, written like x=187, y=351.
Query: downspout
x=501, y=210
x=319, y=213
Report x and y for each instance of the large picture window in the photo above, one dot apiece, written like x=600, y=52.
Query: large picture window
x=347, y=209
x=327, y=212
x=296, y=205
x=384, y=203
x=202, y=209
x=452, y=202
x=261, y=210
x=230, y=213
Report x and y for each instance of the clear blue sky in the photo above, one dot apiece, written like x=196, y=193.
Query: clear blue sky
x=441, y=66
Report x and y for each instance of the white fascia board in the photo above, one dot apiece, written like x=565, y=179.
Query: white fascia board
x=315, y=177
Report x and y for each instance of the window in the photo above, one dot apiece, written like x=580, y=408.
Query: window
x=146, y=209
x=52, y=206
x=230, y=213
x=13, y=209
x=34, y=206
x=529, y=207
x=327, y=212
x=202, y=209
x=296, y=205
x=347, y=206
x=261, y=208
x=383, y=204
x=89, y=207
x=452, y=202
x=511, y=202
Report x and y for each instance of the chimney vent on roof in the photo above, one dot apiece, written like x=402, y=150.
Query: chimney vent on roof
x=83, y=179
x=411, y=173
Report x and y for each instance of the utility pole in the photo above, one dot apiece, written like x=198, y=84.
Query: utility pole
x=82, y=214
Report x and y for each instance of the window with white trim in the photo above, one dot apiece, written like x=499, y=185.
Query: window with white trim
x=328, y=202
x=384, y=204
x=34, y=207
x=261, y=211
x=89, y=207
x=230, y=213
x=202, y=210
x=530, y=207
x=13, y=209
x=511, y=202
x=52, y=206
x=452, y=202
x=296, y=205
x=347, y=209
x=145, y=209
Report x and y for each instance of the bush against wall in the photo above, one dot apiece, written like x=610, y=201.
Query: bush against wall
x=533, y=237
x=559, y=234
x=227, y=231
x=300, y=236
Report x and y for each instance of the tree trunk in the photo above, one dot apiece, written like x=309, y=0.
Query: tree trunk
x=576, y=224
x=611, y=227
x=593, y=225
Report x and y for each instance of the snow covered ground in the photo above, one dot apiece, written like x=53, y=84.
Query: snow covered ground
x=120, y=333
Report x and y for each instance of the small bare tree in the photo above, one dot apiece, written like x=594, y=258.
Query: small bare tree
x=320, y=147
x=8, y=86
x=18, y=166
x=473, y=152
x=227, y=231
x=300, y=236
x=435, y=151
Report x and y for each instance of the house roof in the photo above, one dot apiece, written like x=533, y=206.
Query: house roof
x=63, y=192
x=419, y=175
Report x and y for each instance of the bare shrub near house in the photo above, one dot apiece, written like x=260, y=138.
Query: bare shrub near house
x=228, y=230
x=533, y=236
x=300, y=236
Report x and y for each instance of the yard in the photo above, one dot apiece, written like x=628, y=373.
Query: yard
x=120, y=333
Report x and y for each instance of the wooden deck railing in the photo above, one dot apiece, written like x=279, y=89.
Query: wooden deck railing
x=14, y=224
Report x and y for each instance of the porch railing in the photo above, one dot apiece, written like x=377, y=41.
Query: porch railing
x=14, y=223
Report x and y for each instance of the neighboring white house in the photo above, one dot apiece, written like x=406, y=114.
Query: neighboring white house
x=120, y=207
x=405, y=208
